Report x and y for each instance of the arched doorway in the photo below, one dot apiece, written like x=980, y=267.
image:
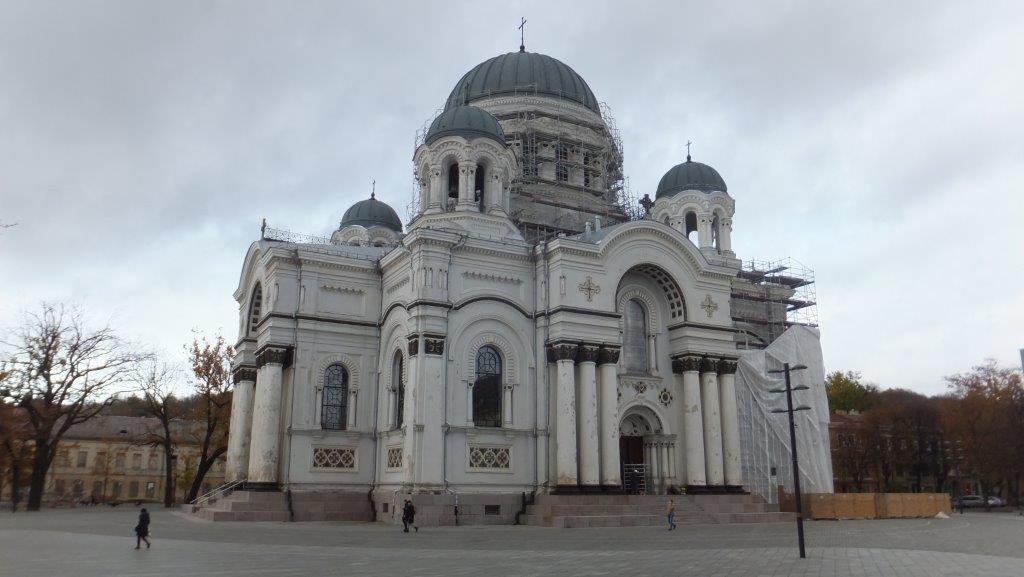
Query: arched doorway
x=636, y=431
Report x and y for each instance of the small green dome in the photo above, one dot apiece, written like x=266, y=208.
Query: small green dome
x=523, y=73
x=372, y=212
x=465, y=121
x=690, y=175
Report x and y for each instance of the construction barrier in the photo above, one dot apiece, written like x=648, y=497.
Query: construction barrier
x=867, y=505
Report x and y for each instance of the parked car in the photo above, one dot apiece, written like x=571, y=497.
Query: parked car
x=969, y=501
x=996, y=502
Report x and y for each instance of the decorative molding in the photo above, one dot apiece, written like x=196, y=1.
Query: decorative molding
x=343, y=289
x=645, y=297
x=709, y=306
x=685, y=364
x=492, y=277
x=589, y=288
x=665, y=397
x=401, y=283
x=564, y=351
x=588, y=353
x=490, y=457
x=334, y=459
x=394, y=460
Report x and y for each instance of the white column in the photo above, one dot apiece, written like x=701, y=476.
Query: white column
x=652, y=353
x=589, y=437
x=436, y=196
x=240, y=428
x=608, y=381
x=264, y=450
x=672, y=476
x=652, y=466
x=350, y=418
x=665, y=469
x=725, y=232
x=689, y=367
x=712, y=422
x=704, y=230
x=492, y=192
x=730, y=423
x=565, y=464
x=506, y=404
x=467, y=174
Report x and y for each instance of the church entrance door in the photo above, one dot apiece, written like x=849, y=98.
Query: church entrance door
x=632, y=457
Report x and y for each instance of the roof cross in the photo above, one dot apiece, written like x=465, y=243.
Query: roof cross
x=688, y=143
x=373, y=189
x=522, y=33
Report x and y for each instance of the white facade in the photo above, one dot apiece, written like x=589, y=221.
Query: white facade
x=458, y=357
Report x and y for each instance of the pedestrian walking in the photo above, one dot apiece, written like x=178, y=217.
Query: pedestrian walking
x=142, y=529
x=409, y=516
x=671, y=513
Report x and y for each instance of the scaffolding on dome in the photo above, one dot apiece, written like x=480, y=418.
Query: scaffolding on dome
x=769, y=297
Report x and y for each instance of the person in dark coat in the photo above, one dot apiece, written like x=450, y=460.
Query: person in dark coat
x=142, y=529
x=409, y=516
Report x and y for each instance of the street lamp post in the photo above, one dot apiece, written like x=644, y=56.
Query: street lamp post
x=790, y=410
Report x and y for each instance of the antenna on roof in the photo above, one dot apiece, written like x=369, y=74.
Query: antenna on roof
x=522, y=32
x=373, y=189
x=688, y=143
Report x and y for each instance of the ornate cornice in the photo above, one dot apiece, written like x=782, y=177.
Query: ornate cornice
x=342, y=289
x=492, y=277
x=244, y=373
x=269, y=355
x=609, y=355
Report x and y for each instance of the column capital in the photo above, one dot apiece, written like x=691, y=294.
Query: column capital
x=243, y=373
x=588, y=353
x=609, y=355
x=564, y=351
x=685, y=364
x=433, y=344
x=273, y=355
x=727, y=367
x=708, y=365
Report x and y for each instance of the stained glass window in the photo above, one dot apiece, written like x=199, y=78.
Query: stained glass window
x=487, y=388
x=334, y=404
x=634, y=337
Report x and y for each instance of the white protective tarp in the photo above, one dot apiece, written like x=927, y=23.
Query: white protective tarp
x=765, y=435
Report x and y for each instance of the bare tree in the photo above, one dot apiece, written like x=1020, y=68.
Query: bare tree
x=15, y=451
x=61, y=373
x=156, y=379
x=211, y=378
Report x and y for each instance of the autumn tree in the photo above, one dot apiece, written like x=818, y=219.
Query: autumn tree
x=210, y=363
x=846, y=392
x=15, y=451
x=61, y=373
x=155, y=381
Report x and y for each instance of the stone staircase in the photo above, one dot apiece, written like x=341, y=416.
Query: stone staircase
x=575, y=511
x=273, y=506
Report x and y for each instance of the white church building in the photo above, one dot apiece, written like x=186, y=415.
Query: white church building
x=529, y=331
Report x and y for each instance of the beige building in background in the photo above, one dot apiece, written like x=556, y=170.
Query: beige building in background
x=109, y=459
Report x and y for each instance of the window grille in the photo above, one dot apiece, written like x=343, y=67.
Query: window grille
x=334, y=402
x=484, y=457
x=334, y=458
x=394, y=457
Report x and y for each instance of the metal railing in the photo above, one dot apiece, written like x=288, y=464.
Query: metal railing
x=221, y=491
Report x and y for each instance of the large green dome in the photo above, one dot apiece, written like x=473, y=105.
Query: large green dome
x=372, y=212
x=522, y=73
x=466, y=121
x=690, y=175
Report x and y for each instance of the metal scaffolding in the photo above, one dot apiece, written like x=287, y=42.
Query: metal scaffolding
x=768, y=297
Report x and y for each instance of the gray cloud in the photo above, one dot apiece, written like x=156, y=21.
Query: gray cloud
x=877, y=142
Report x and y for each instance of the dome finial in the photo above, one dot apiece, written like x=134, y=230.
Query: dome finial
x=373, y=189
x=688, y=143
x=522, y=35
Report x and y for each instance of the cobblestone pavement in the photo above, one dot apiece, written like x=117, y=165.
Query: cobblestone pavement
x=99, y=542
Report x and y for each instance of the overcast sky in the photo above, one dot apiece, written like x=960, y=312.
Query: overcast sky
x=879, y=143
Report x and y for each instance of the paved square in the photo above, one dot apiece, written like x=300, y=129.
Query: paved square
x=99, y=542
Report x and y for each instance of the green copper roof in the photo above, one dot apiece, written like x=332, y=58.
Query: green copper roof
x=522, y=73
x=466, y=121
x=372, y=212
x=690, y=175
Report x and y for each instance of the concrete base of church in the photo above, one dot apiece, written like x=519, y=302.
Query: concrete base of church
x=450, y=509
x=715, y=490
x=575, y=511
x=249, y=505
x=260, y=487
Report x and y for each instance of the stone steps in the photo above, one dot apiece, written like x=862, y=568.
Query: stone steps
x=273, y=506
x=577, y=511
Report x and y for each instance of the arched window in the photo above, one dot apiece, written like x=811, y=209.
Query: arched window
x=478, y=186
x=690, y=226
x=255, y=305
x=453, y=180
x=715, y=238
x=487, y=388
x=398, y=385
x=334, y=403
x=634, y=338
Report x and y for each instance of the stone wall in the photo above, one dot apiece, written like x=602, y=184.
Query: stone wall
x=433, y=510
x=868, y=505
